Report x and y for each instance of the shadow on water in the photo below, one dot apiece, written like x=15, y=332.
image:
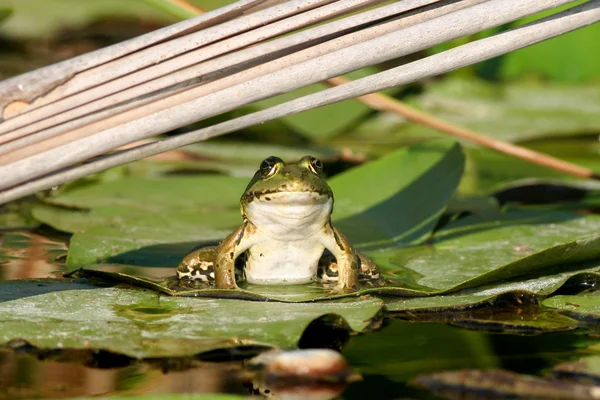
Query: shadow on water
x=392, y=358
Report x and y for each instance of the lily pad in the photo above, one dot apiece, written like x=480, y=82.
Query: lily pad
x=581, y=306
x=144, y=324
x=468, y=253
x=518, y=292
x=474, y=251
x=124, y=221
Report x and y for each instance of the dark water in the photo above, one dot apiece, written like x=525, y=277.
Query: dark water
x=388, y=358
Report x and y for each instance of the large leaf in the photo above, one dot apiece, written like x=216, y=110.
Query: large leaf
x=475, y=251
x=141, y=324
x=400, y=197
x=582, y=306
x=156, y=221
x=519, y=291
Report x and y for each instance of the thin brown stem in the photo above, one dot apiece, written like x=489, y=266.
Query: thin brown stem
x=187, y=6
x=382, y=102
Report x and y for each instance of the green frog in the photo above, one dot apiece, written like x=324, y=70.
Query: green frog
x=286, y=237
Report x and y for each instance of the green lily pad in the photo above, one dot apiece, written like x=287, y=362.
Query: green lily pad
x=475, y=251
x=144, y=324
x=398, y=198
x=517, y=292
x=467, y=254
x=582, y=306
x=156, y=222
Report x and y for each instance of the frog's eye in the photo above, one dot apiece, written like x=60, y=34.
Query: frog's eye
x=269, y=165
x=315, y=165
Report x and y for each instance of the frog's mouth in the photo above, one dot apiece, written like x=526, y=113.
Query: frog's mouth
x=294, y=198
x=290, y=209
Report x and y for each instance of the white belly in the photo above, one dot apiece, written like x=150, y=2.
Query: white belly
x=283, y=262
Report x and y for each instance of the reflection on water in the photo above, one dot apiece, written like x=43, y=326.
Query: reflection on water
x=26, y=376
x=27, y=255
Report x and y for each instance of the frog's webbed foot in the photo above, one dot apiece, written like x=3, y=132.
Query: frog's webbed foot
x=328, y=268
x=199, y=265
x=368, y=270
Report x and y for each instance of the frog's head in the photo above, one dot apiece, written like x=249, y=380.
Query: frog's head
x=294, y=194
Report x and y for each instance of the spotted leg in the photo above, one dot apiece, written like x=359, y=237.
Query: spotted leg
x=347, y=260
x=228, y=250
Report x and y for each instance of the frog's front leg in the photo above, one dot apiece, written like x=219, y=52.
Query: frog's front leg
x=228, y=250
x=346, y=257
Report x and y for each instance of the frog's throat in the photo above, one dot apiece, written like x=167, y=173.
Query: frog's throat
x=290, y=215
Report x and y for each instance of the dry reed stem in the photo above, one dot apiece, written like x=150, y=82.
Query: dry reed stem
x=152, y=63
x=28, y=90
x=383, y=48
x=458, y=57
x=129, y=108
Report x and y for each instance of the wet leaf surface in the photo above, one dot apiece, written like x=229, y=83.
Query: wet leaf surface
x=143, y=324
x=475, y=251
x=518, y=292
x=581, y=306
